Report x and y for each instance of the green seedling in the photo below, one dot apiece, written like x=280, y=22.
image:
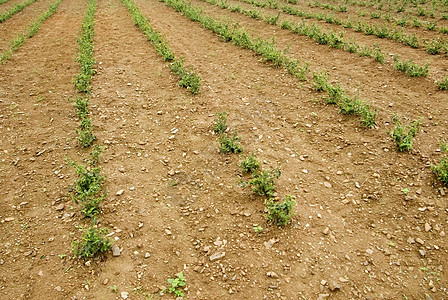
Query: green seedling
x=262, y=182
x=94, y=242
x=220, y=122
x=404, y=136
x=229, y=144
x=281, y=212
x=177, y=285
x=250, y=164
x=258, y=229
x=441, y=171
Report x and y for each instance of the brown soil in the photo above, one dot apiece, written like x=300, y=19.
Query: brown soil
x=182, y=202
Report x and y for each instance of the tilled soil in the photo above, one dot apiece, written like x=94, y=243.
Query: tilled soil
x=370, y=222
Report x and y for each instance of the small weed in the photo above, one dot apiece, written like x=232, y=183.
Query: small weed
x=177, y=284
x=113, y=288
x=405, y=191
x=229, y=144
x=220, y=122
x=281, y=213
x=188, y=79
x=441, y=170
x=250, y=164
x=93, y=243
x=258, y=229
x=404, y=136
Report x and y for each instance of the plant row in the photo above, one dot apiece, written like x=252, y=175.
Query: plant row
x=238, y=36
x=433, y=46
x=31, y=30
x=188, y=79
x=346, y=104
x=404, y=20
x=267, y=50
x=17, y=8
x=88, y=190
x=331, y=38
x=262, y=182
x=3, y=1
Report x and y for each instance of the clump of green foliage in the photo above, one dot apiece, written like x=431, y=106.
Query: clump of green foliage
x=177, y=285
x=443, y=84
x=229, y=144
x=250, y=164
x=188, y=79
x=93, y=242
x=220, y=122
x=411, y=68
x=441, y=170
x=404, y=135
x=281, y=212
x=85, y=54
x=262, y=182
x=87, y=189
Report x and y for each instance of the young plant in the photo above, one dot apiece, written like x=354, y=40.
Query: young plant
x=250, y=164
x=220, y=122
x=177, y=285
x=443, y=85
x=229, y=144
x=411, y=68
x=320, y=81
x=94, y=242
x=404, y=136
x=441, y=170
x=258, y=229
x=262, y=182
x=87, y=189
x=281, y=213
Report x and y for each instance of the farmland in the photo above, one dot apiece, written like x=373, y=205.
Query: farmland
x=223, y=149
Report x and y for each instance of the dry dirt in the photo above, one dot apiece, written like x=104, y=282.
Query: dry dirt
x=355, y=235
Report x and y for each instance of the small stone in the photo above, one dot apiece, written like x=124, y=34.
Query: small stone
x=120, y=192
x=147, y=255
x=327, y=184
x=58, y=288
x=160, y=112
x=272, y=274
x=323, y=296
x=419, y=191
x=411, y=240
x=9, y=219
x=59, y=207
x=105, y=281
x=122, y=170
x=342, y=279
x=116, y=251
x=40, y=273
x=168, y=232
x=422, y=252
x=217, y=256
x=427, y=227
x=124, y=295
x=326, y=230
x=369, y=251
x=270, y=243
x=420, y=241
x=334, y=286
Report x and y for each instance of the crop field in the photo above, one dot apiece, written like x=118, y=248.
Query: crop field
x=223, y=149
